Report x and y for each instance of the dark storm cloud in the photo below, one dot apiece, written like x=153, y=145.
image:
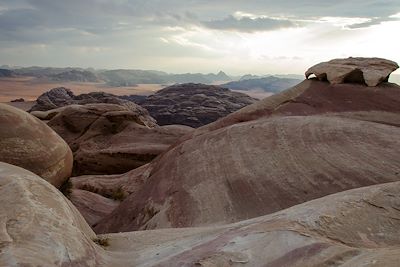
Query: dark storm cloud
x=247, y=24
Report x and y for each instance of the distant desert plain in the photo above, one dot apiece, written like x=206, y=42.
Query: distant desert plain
x=29, y=88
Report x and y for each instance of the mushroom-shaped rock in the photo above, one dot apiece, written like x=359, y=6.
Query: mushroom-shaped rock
x=29, y=143
x=371, y=71
x=38, y=225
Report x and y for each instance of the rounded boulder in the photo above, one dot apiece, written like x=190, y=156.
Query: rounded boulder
x=27, y=142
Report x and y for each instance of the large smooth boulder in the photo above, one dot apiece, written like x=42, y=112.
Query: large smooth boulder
x=256, y=168
x=38, y=225
x=112, y=139
x=29, y=143
x=354, y=228
x=371, y=71
x=194, y=104
x=309, y=141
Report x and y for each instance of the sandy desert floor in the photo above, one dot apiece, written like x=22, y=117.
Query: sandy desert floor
x=30, y=88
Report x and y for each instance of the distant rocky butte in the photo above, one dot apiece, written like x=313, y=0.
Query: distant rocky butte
x=194, y=105
x=75, y=76
x=371, y=71
x=270, y=84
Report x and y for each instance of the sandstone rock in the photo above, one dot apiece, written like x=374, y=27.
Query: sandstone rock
x=29, y=143
x=111, y=139
x=61, y=97
x=371, y=71
x=38, y=225
x=193, y=104
x=312, y=97
x=55, y=98
x=255, y=168
x=353, y=228
x=93, y=207
x=309, y=141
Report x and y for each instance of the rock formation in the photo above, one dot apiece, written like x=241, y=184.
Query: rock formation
x=306, y=142
x=352, y=228
x=110, y=139
x=61, y=97
x=255, y=168
x=371, y=71
x=194, y=104
x=38, y=225
x=29, y=143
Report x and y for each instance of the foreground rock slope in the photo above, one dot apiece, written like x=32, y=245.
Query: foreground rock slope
x=38, y=225
x=353, y=228
x=309, y=141
x=29, y=143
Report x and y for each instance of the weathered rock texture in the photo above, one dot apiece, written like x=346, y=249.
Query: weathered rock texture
x=27, y=142
x=93, y=207
x=194, y=104
x=309, y=141
x=353, y=228
x=39, y=227
x=111, y=139
x=371, y=71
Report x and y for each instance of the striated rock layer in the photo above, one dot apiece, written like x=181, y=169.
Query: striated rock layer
x=371, y=71
x=309, y=141
x=110, y=139
x=29, y=143
x=39, y=227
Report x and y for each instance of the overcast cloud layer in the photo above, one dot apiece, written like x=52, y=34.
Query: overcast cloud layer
x=189, y=36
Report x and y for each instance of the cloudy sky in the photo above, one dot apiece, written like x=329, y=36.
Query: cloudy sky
x=259, y=36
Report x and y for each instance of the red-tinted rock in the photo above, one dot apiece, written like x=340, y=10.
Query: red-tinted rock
x=230, y=171
x=111, y=139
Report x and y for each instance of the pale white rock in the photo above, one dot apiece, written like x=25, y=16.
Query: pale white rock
x=371, y=71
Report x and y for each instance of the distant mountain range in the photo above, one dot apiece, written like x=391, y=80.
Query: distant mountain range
x=6, y=73
x=119, y=77
x=271, y=84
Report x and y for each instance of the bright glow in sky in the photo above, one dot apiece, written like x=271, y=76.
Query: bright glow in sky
x=196, y=36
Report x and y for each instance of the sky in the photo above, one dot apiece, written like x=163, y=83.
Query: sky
x=180, y=36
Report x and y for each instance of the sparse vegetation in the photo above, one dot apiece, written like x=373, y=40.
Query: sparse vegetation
x=66, y=188
x=118, y=194
x=102, y=241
